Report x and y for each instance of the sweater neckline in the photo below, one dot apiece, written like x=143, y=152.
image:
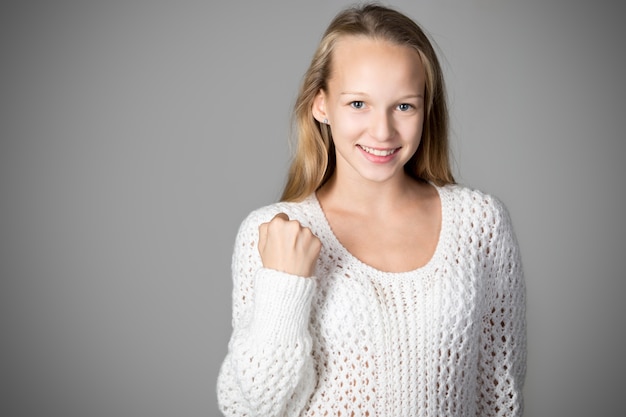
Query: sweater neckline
x=429, y=265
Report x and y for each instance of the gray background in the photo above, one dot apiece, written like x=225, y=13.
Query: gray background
x=135, y=136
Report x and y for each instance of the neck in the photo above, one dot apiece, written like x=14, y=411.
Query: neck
x=369, y=196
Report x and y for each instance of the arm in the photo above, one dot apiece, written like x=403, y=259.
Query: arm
x=268, y=370
x=502, y=365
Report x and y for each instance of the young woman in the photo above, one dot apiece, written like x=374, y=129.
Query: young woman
x=376, y=287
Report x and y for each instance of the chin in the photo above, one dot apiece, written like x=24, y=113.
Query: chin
x=379, y=177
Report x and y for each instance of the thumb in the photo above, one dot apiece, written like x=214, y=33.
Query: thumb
x=262, y=237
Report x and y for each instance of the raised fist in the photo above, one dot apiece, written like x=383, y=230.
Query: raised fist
x=285, y=245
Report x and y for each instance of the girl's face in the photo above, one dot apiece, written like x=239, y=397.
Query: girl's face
x=374, y=104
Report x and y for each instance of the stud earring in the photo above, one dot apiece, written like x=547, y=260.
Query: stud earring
x=325, y=121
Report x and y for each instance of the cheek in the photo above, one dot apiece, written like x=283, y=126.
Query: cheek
x=348, y=127
x=413, y=131
x=419, y=130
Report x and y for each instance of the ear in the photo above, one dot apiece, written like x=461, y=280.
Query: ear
x=319, y=107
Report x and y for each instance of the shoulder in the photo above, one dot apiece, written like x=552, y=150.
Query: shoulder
x=474, y=206
x=304, y=211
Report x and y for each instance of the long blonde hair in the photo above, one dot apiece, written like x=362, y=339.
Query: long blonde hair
x=314, y=159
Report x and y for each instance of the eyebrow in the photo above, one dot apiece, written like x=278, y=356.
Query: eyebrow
x=359, y=93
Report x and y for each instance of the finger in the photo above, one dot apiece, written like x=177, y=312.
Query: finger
x=281, y=215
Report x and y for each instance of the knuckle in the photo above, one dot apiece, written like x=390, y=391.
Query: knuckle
x=275, y=223
x=293, y=226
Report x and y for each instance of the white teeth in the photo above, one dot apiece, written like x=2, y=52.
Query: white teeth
x=377, y=152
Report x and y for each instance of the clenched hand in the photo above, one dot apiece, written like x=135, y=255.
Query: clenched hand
x=285, y=245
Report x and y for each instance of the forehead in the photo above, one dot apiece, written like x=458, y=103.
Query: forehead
x=369, y=62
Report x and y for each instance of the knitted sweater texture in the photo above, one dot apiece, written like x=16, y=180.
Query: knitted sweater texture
x=446, y=339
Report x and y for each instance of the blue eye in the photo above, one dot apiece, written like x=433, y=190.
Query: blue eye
x=404, y=107
x=357, y=104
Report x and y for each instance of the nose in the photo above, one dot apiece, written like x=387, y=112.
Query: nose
x=381, y=126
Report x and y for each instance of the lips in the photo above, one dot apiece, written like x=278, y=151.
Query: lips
x=378, y=152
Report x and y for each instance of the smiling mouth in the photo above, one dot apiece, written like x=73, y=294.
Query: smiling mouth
x=378, y=152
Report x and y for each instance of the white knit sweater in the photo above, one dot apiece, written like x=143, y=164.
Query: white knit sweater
x=447, y=339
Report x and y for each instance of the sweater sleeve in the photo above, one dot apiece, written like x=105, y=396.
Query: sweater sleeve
x=502, y=364
x=268, y=370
